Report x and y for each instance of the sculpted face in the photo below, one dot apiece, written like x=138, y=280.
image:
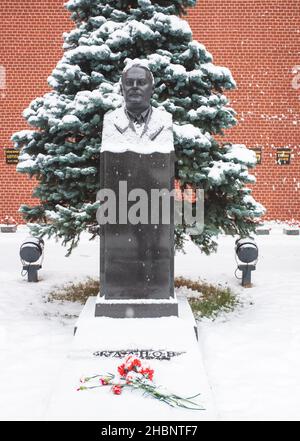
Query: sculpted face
x=137, y=89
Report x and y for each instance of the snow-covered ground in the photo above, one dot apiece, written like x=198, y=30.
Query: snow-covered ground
x=252, y=356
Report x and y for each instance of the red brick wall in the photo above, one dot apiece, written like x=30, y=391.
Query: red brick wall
x=257, y=40
x=31, y=44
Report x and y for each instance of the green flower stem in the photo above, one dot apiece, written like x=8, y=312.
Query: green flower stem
x=171, y=399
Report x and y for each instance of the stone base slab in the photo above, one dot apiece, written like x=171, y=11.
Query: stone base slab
x=143, y=308
x=183, y=374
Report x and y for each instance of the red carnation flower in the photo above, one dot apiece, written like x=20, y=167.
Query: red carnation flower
x=148, y=373
x=117, y=390
x=136, y=363
x=133, y=365
x=122, y=371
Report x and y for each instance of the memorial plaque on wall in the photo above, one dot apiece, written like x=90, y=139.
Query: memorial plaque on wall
x=283, y=156
x=258, y=155
x=11, y=156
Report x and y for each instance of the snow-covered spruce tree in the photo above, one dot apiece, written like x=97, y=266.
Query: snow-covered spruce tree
x=62, y=152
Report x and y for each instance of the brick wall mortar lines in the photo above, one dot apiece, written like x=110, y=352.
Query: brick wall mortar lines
x=259, y=42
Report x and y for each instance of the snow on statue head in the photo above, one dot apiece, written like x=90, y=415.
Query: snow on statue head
x=137, y=85
x=143, y=64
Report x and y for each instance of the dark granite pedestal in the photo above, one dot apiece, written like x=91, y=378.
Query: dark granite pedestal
x=137, y=260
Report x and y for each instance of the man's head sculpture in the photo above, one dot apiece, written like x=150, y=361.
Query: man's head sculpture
x=137, y=86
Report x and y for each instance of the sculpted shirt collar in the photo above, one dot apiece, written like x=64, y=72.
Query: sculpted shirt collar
x=140, y=119
x=152, y=126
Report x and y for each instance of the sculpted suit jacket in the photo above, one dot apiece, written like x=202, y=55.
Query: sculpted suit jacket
x=119, y=135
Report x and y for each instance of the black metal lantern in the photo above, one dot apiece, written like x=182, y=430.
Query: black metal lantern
x=246, y=252
x=32, y=254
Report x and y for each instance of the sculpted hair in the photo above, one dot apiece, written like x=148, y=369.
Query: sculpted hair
x=141, y=66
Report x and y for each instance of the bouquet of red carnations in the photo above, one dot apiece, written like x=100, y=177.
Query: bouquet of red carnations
x=135, y=374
